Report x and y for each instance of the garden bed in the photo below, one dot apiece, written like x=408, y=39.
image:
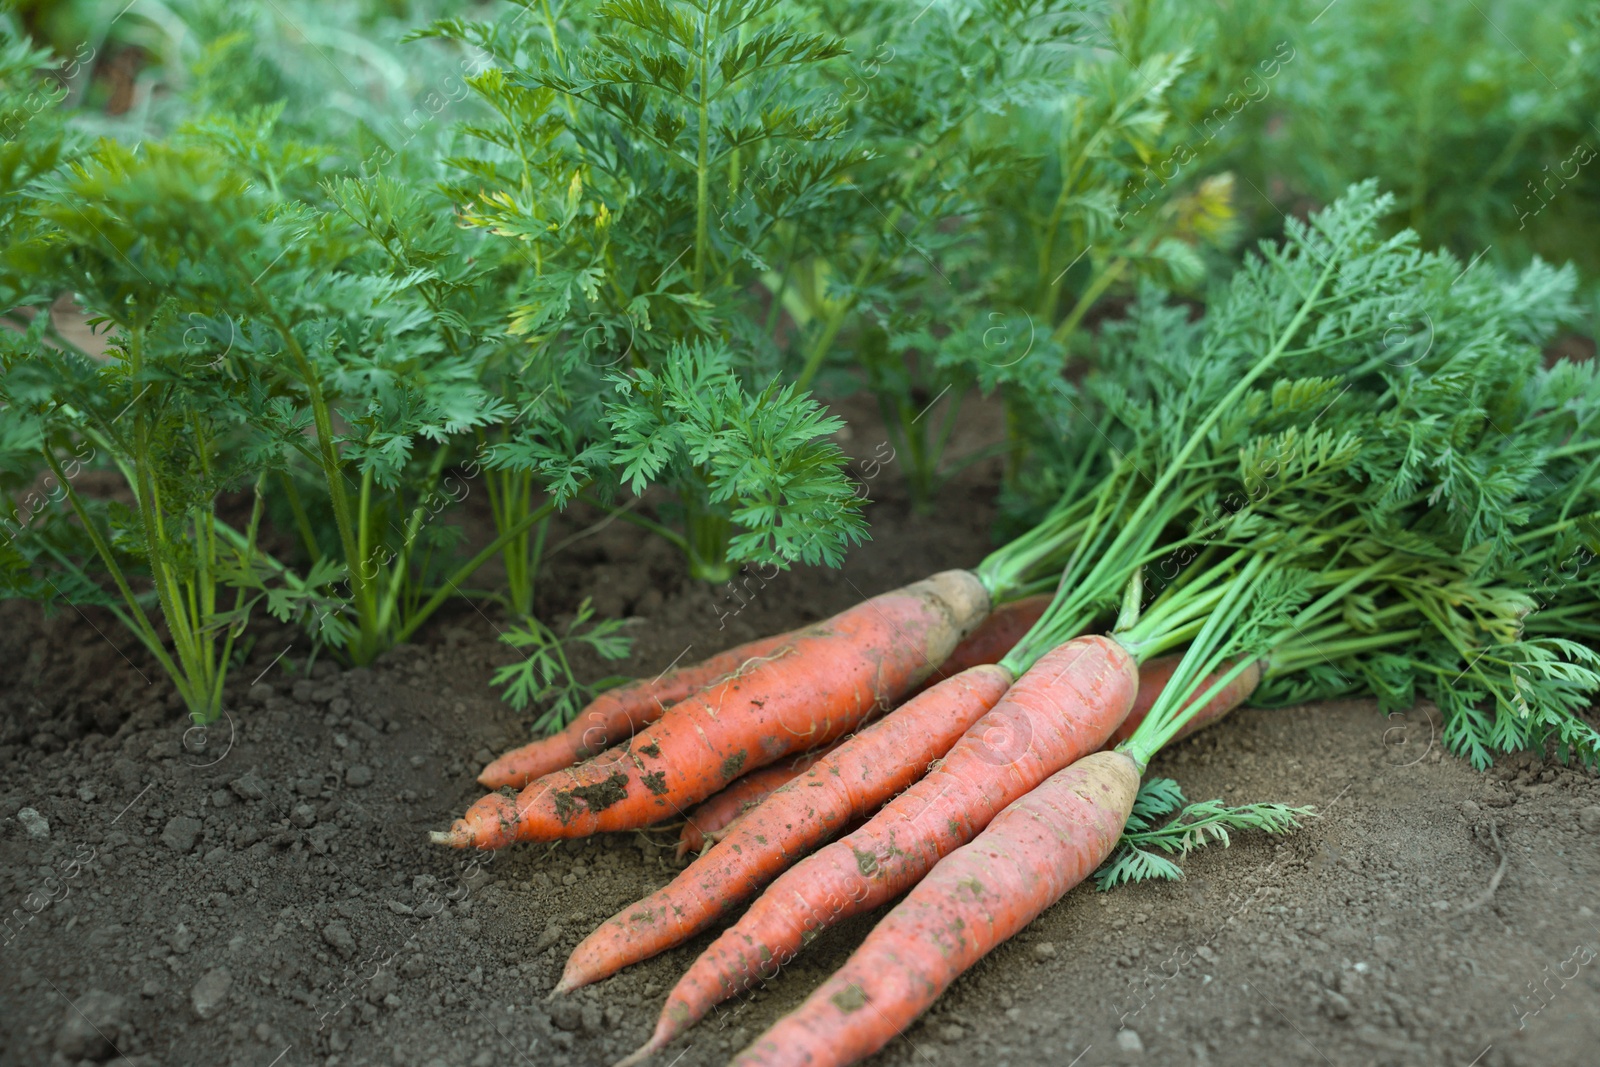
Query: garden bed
x=264, y=893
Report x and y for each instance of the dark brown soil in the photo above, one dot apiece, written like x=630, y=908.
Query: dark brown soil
x=262, y=893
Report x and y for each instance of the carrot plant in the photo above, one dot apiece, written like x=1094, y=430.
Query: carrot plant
x=322, y=330
x=153, y=409
x=630, y=151
x=902, y=299
x=1402, y=566
x=1008, y=141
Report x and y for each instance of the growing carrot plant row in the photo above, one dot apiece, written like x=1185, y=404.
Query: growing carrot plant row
x=591, y=253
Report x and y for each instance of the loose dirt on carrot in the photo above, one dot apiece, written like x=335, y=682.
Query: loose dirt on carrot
x=262, y=892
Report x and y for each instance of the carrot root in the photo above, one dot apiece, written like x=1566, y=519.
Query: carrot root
x=616, y=715
x=850, y=781
x=819, y=685
x=978, y=896
x=1062, y=709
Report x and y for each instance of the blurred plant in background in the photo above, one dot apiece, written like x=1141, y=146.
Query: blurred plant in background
x=1475, y=115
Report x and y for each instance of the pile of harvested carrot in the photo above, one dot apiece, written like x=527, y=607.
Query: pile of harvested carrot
x=1285, y=503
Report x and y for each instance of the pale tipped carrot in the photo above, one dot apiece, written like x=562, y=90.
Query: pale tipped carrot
x=849, y=782
x=618, y=714
x=713, y=816
x=1061, y=709
x=819, y=685
x=976, y=897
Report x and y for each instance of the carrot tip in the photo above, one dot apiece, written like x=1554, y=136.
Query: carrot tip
x=454, y=837
x=640, y=1054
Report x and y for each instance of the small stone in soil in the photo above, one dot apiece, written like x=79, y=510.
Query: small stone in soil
x=34, y=823
x=950, y=1033
x=182, y=939
x=1045, y=950
x=180, y=833
x=304, y=816
x=222, y=799
x=566, y=1014
x=1128, y=1041
x=90, y=1026
x=1589, y=818
x=338, y=935
x=211, y=992
x=358, y=776
x=249, y=786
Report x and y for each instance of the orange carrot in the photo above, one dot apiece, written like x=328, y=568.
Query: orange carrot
x=819, y=685
x=1032, y=853
x=994, y=637
x=708, y=821
x=1062, y=709
x=801, y=818
x=851, y=781
x=618, y=714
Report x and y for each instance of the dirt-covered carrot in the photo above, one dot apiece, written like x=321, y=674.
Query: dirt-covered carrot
x=798, y=819
x=993, y=638
x=618, y=714
x=1042, y=845
x=1063, y=708
x=982, y=893
x=849, y=782
x=817, y=686
x=713, y=816
x=978, y=896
